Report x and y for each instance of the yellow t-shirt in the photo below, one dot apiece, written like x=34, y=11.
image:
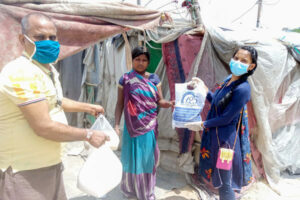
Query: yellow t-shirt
x=23, y=82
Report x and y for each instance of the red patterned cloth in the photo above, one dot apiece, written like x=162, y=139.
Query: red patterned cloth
x=178, y=57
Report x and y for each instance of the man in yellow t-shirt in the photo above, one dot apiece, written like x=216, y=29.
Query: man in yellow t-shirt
x=32, y=119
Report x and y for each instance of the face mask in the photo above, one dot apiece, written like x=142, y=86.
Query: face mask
x=237, y=68
x=45, y=51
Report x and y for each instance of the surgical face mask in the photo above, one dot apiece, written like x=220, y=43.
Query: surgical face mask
x=45, y=51
x=237, y=68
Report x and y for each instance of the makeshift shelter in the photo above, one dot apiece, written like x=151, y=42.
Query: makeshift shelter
x=207, y=57
x=274, y=111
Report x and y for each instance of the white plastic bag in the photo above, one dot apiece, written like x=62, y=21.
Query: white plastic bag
x=101, y=172
x=188, y=104
x=101, y=124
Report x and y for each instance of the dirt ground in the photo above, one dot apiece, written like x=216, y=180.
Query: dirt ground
x=169, y=185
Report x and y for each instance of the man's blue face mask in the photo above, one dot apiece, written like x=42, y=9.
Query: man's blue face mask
x=237, y=68
x=46, y=51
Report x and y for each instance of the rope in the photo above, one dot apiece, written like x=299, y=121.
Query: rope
x=245, y=12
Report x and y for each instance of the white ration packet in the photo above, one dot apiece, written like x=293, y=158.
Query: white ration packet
x=102, y=171
x=188, y=104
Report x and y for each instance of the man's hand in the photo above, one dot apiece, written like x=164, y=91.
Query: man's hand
x=95, y=110
x=98, y=138
x=75, y=106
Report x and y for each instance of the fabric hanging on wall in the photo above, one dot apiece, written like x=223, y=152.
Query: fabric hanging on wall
x=178, y=57
x=71, y=71
x=89, y=84
x=155, y=56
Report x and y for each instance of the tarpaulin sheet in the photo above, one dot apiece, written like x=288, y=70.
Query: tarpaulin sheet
x=80, y=23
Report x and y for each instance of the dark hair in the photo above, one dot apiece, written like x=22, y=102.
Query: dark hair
x=137, y=51
x=25, y=26
x=227, y=98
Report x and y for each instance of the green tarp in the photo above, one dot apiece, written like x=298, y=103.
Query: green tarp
x=155, y=56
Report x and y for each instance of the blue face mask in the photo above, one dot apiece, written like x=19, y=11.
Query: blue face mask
x=46, y=51
x=237, y=68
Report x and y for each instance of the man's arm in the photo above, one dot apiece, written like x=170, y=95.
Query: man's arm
x=37, y=115
x=69, y=105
